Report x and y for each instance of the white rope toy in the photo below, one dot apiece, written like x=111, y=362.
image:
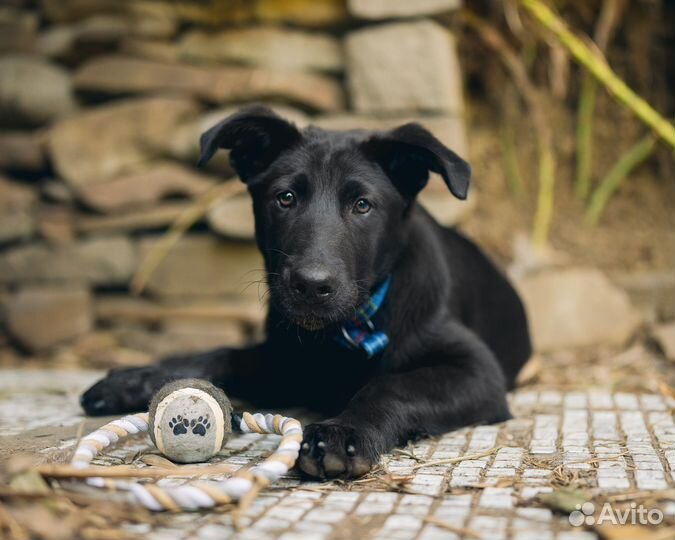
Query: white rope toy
x=196, y=495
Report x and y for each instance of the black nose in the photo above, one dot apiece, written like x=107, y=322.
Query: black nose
x=314, y=284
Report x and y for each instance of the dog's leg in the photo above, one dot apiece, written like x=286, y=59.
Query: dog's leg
x=127, y=390
x=461, y=384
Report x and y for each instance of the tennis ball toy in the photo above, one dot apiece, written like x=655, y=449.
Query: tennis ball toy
x=190, y=420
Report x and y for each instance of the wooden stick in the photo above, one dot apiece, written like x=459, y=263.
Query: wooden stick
x=126, y=471
x=7, y=521
x=457, y=459
x=179, y=227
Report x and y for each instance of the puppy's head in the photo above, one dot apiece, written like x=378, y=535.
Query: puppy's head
x=330, y=207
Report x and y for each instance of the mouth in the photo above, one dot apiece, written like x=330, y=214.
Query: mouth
x=311, y=322
x=314, y=317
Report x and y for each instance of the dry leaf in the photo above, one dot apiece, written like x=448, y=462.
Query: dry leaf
x=530, y=372
x=29, y=482
x=666, y=391
x=564, y=500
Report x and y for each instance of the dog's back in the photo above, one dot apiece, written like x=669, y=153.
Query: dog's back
x=483, y=299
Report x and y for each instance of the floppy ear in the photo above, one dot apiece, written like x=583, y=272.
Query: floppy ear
x=408, y=153
x=256, y=136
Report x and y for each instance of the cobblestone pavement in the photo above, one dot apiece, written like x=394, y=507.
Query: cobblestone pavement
x=607, y=443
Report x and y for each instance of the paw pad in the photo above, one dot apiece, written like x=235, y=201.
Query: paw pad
x=201, y=425
x=198, y=426
x=179, y=425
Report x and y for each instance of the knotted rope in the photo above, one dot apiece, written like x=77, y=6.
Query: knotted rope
x=196, y=495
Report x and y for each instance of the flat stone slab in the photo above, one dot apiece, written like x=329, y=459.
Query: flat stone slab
x=602, y=442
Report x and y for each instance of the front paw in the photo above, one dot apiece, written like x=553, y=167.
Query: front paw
x=122, y=391
x=334, y=448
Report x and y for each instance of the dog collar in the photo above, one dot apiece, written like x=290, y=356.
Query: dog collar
x=359, y=331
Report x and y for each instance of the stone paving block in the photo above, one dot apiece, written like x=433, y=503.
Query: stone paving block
x=532, y=535
x=455, y=516
x=252, y=534
x=510, y=452
x=494, y=497
x=530, y=492
x=535, y=514
x=528, y=525
x=464, y=481
x=621, y=445
x=305, y=494
x=505, y=463
x=271, y=524
x=472, y=464
x=484, y=438
x=214, y=532
x=445, y=454
x=431, y=532
x=550, y=397
x=313, y=527
x=504, y=472
x=536, y=473
x=287, y=512
x=323, y=515
x=618, y=464
x=525, y=399
x=613, y=484
x=304, y=535
x=612, y=473
x=652, y=402
x=397, y=534
x=650, y=479
x=600, y=400
x=488, y=526
x=398, y=521
x=626, y=401
x=575, y=400
x=648, y=465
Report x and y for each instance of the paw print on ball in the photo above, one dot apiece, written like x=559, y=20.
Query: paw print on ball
x=201, y=425
x=179, y=425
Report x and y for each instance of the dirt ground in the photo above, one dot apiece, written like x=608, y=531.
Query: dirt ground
x=635, y=233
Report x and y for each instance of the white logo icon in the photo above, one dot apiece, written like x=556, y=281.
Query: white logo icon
x=583, y=515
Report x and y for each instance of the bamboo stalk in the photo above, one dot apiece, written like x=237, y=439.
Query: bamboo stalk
x=589, y=87
x=544, y=214
x=601, y=71
x=612, y=180
x=609, y=16
x=546, y=177
x=514, y=178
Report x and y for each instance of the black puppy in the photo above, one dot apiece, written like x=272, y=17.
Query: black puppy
x=393, y=325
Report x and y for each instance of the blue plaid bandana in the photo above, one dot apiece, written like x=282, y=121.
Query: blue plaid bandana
x=359, y=331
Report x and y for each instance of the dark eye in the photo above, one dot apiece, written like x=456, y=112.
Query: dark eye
x=362, y=206
x=286, y=199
